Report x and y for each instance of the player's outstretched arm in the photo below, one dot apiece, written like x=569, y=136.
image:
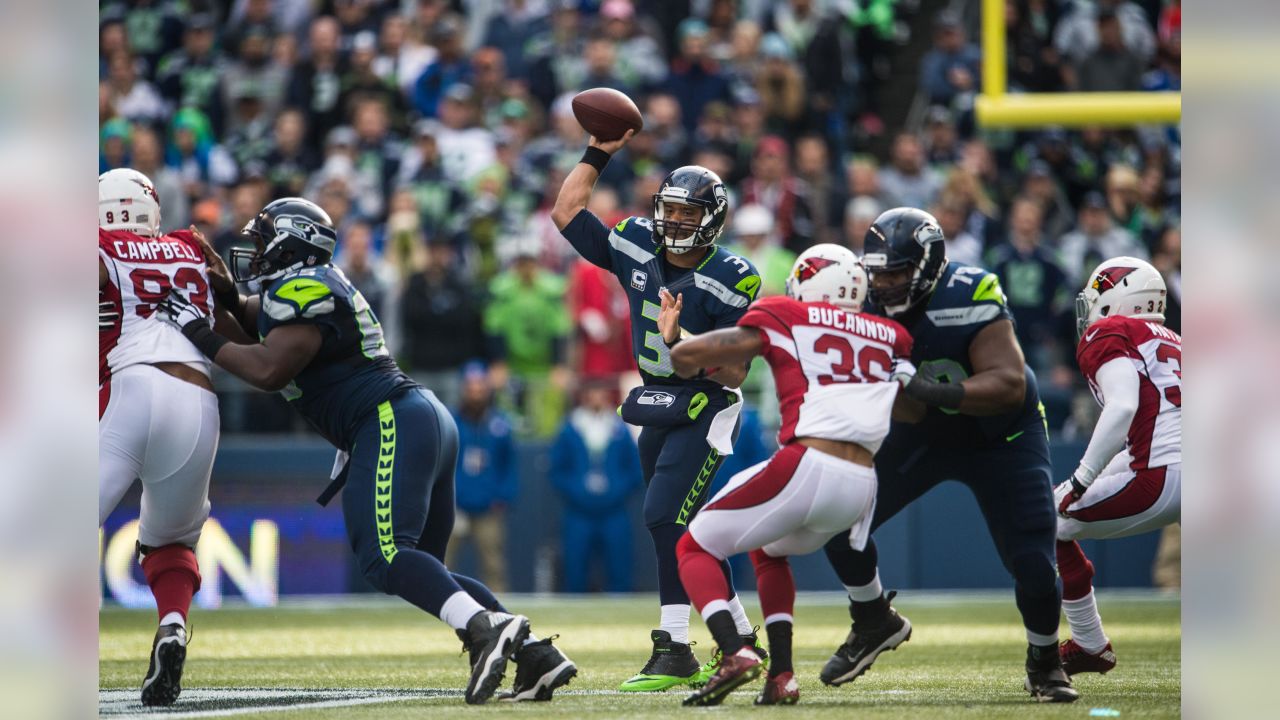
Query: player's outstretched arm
x=277, y=360
x=577, y=187
x=719, y=349
x=999, y=381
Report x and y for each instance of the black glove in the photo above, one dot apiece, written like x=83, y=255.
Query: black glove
x=193, y=321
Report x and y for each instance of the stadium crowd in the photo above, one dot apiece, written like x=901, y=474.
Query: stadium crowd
x=436, y=134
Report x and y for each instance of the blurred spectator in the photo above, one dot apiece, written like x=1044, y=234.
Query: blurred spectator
x=1093, y=151
x=1123, y=197
x=116, y=141
x=715, y=132
x=781, y=86
x=1153, y=213
x=366, y=270
x=148, y=159
x=440, y=319
x=316, y=83
x=513, y=28
x=555, y=57
x=193, y=152
x=402, y=56
x=1034, y=283
x=953, y=67
x=439, y=200
x=1167, y=74
x=132, y=97
x=154, y=27
x=859, y=215
x=466, y=148
x=489, y=81
x=695, y=78
x=664, y=122
x=450, y=67
x=254, y=66
x=1167, y=258
x=602, y=322
x=354, y=19
x=527, y=325
x=595, y=467
x=962, y=246
x=361, y=82
x=251, y=16
x=1032, y=58
x=1076, y=37
x=641, y=62
x=1096, y=238
x=908, y=181
x=941, y=138
x=377, y=150
x=601, y=55
x=862, y=176
x=981, y=212
x=246, y=201
x=1040, y=185
x=1111, y=67
x=487, y=479
x=720, y=19
x=191, y=75
x=825, y=195
x=753, y=227
x=743, y=63
x=352, y=189
x=772, y=185
x=822, y=42
x=291, y=160
x=251, y=139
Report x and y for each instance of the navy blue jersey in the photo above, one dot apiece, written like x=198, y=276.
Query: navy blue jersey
x=966, y=300
x=716, y=292
x=352, y=372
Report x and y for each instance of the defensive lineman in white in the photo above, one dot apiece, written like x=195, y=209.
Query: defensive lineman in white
x=157, y=414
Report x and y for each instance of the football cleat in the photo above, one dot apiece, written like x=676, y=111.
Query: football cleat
x=868, y=637
x=709, y=669
x=491, y=639
x=540, y=669
x=1046, y=680
x=1076, y=660
x=780, y=690
x=735, y=671
x=671, y=664
x=164, y=677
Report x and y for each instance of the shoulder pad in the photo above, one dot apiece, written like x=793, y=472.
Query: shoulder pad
x=299, y=296
x=736, y=271
x=633, y=237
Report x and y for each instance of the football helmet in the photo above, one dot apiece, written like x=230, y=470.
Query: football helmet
x=828, y=273
x=904, y=238
x=1121, y=286
x=127, y=200
x=690, y=185
x=288, y=234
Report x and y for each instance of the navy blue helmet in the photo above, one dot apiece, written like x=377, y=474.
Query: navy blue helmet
x=904, y=238
x=690, y=185
x=288, y=234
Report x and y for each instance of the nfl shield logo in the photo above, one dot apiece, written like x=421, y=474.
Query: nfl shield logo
x=638, y=279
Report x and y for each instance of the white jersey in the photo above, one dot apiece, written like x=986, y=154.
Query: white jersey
x=140, y=273
x=832, y=368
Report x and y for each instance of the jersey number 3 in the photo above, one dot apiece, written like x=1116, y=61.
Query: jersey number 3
x=660, y=364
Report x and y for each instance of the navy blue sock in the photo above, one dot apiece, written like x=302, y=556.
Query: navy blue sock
x=670, y=589
x=479, y=592
x=421, y=579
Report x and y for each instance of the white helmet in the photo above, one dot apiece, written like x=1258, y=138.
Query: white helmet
x=828, y=273
x=1121, y=286
x=127, y=200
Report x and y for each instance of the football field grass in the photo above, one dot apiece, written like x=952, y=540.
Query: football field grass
x=374, y=658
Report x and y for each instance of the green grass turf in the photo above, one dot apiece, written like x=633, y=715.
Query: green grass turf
x=964, y=659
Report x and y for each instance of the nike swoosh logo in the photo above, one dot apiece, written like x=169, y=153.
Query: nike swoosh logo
x=1014, y=436
x=1089, y=337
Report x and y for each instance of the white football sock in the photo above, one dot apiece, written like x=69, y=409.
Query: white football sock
x=866, y=593
x=675, y=621
x=1041, y=640
x=1085, y=622
x=459, y=609
x=739, y=615
x=714, y=607
x=173, y=618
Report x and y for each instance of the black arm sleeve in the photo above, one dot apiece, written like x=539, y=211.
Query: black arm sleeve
x=590, y=238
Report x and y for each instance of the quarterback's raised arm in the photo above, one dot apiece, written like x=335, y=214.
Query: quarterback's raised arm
x=577, y=187
x=716, y=349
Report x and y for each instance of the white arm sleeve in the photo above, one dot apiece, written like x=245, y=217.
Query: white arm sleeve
x=1118, y=381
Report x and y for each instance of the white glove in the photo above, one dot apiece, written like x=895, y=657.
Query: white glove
x=180, y=311
x=903, y=371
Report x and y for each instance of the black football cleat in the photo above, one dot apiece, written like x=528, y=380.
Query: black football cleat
x=491, y=639
x=735, y=671
x=780, y=690
x=671, y=664
x=540, y=669
x=1046, y=680
x=1076, y=660
x=164, y=676
x=869, y=636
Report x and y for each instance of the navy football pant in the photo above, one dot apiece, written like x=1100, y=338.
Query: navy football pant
x=398, y=501
x=1012, y=483
x=678, y=466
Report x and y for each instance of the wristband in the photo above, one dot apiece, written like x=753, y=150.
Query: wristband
x=596, y=158
x=201, y=334
x=943, y=395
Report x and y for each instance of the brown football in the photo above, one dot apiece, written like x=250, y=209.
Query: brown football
x=606, y=113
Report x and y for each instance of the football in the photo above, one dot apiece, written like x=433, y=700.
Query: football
x=606, y=113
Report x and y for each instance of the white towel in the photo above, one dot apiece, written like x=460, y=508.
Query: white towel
x=720, y=435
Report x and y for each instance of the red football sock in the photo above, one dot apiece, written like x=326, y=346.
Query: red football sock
x=700, y=573
x=174, y=578
x=1075, y=569
x=775, y=584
